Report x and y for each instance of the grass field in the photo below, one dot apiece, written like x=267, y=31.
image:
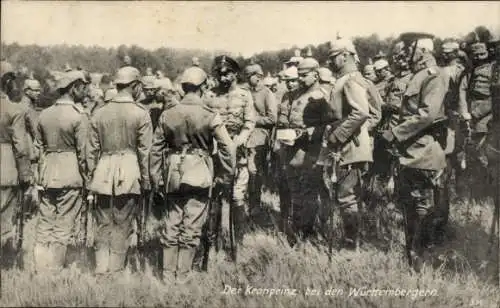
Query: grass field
x=271, y=274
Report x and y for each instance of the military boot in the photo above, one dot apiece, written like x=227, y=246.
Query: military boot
x=101, y=260
x=170, y=255
x=417, y=244
x=351, y=230
x=184, y=265
x=117, y=261
x=59, y=253
x=240, y=221
x=42, y=257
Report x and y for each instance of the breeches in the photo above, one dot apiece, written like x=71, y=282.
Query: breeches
x=114, y=218
x=349, y=187
x=304, y=188
x=183, y=223
x=57, y=219
x=417, y=191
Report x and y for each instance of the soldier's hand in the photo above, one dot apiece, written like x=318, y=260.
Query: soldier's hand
x=388, y=136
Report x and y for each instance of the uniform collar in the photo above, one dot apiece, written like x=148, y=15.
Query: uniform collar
x=191, y=99
x=64, y=101
x=123, y=97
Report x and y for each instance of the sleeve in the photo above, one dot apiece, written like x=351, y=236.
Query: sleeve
x=355, y=95
x=226, y=151
x=249, y=118
x=283, y=109
x=144, y=142
x=271, y=113
x=93, y=147
x=463, y=108
x=21, y=146
x=432, y=97
x=375, y=105
x=81, y=133
x=158, y=147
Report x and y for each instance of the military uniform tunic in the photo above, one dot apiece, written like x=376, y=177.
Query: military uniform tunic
x=120, y=137
x=14, y=163
x=62, y=136
x=191, y=126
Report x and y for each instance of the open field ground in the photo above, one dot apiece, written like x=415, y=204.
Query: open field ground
x=463, y=275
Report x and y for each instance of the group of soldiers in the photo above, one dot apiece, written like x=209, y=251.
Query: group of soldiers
x=327, y=138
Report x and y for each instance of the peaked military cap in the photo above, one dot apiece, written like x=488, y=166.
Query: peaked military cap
x=291, y=73
x=307, y=65
x=380, y=64
x=225, y=63
x=127, y=74
x=149, y=82
x=194, y=75
x=69, y=77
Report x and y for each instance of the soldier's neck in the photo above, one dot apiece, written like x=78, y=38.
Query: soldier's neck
x=348, y=68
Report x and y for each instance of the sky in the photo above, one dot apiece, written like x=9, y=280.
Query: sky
x=241, y=27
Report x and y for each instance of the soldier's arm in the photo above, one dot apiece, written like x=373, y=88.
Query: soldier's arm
x=144, y=141
x=81, y=133
x=158, y=147
x=226, y=150
x=93, y=147
x=21, y=146
x=354, y=94
x=375, y=107
x=249, y=119
x=283, y=112
x=432, y=97
x=269, y=119
x=463, y=108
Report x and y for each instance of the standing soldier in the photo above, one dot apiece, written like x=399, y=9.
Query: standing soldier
x=258, y=143
x=16, y=175
x=235, y=106
x=301, y=122
x=351, y=101
x=369, y=71
x=29, y=102
x=62, y=135
x=185, y=139
x=325, y=81
x=417, y=138
x=456, y=110
x=479, y=100
x=120, y=136
x=149, y=102
x=384, y=77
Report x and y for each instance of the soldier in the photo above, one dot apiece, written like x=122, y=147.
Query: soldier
x=301, y=122
x=326, y=81
x=352, y=103
x=16, y=175
x=29, y=102
x=456, y=110
x=62, y=136
x=479, y=101
x=258, y=143
x=185, y=138
x=417, y=138
x=235, y=106
x=120, y=136
x=369, y=72
x=294, y=60
x=167, y=95
x=150, y=88
x=384, y=77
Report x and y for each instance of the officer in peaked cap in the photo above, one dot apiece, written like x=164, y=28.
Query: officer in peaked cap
x=29, y=101
x=119, y=139
x=63, y=139
x=384, y=76
x=236, y=107
x=223, y=64
x=369, y=72
x=291, y=78
x=422, y=158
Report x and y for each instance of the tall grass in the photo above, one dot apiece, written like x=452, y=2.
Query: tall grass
x=462, y=275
